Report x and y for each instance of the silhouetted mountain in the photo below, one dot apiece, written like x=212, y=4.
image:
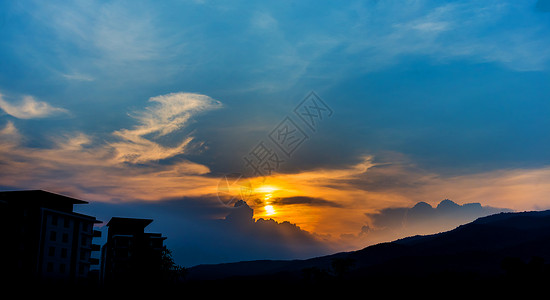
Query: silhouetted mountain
x=399, y=222
x=496, y=247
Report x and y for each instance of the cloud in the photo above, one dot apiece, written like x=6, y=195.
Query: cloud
x=304, y=200
x=9, y=131
x=344, y=208
x=393, y=223
x=339, y=39
x=115, y=31
x=30, y=108
x=264, y=21
x=101, y=41
x=422, y=218
x=78, y=77
x=268, y=48
x=96, y=168
x=334, y=203
x=500, y=32
x=262, y=238
x=169, y=113
x=348, y=205
x=200, y=230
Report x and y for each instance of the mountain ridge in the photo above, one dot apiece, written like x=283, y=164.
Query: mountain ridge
x=478, y=247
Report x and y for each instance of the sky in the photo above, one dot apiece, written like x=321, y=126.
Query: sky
x=278, y=129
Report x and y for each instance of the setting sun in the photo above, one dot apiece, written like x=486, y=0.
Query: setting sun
x=266, y=194
x=269, y=210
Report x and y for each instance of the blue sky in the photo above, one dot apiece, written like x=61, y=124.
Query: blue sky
x=122, y=101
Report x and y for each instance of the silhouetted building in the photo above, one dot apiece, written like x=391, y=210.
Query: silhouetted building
x=130, y=254
x=42, y=238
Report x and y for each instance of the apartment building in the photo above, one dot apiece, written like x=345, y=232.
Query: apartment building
x=130, y=254
x=44, y=239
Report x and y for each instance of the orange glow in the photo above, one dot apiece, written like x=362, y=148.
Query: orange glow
x=345, y=194
x=269, y=210
x=515, y=189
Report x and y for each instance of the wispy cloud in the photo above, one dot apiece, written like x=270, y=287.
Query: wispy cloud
x=30, y=108
x=340, y=40
x=10, y=131
x=125, y=169
x=446, y=31
x=95, y=41
x=78, y=77
x=268, y=49
x=168, y=114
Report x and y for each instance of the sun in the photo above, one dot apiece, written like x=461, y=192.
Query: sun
x=266, y=192
x=269, y=210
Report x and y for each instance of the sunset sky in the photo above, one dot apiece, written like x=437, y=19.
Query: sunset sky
x=355, y=110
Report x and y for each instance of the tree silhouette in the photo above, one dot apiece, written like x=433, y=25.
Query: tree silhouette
x=170, y=272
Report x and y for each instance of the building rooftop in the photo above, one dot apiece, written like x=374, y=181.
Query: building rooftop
x=129, y=222
x=34, y=195
x=40, y=198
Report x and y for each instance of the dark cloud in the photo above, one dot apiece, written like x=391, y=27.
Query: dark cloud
x=202, y=230
x=391, y=177
x=422, y=218
x=312, y=201
x=424, y=214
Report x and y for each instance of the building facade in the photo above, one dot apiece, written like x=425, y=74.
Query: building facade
x=130, y=254
x=44, y=239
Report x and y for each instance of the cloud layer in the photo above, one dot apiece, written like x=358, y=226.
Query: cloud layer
x=126, y=167
x=201, y=232
x=449, y=30
x=115, y=41
x=30, y=108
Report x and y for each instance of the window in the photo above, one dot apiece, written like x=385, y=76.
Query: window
x=84, y=241
x=52, y=236
x=49, y=267
x=67, y=222
x=51, y=251
x=61, y=268
x=65, y=237
x=63, y=252
x=54, y=220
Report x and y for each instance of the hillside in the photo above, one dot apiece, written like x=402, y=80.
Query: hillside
x=496, y=246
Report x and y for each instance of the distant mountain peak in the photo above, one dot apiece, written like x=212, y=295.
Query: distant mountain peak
x=480, y=247
x=422, y=205
x=447, y=205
